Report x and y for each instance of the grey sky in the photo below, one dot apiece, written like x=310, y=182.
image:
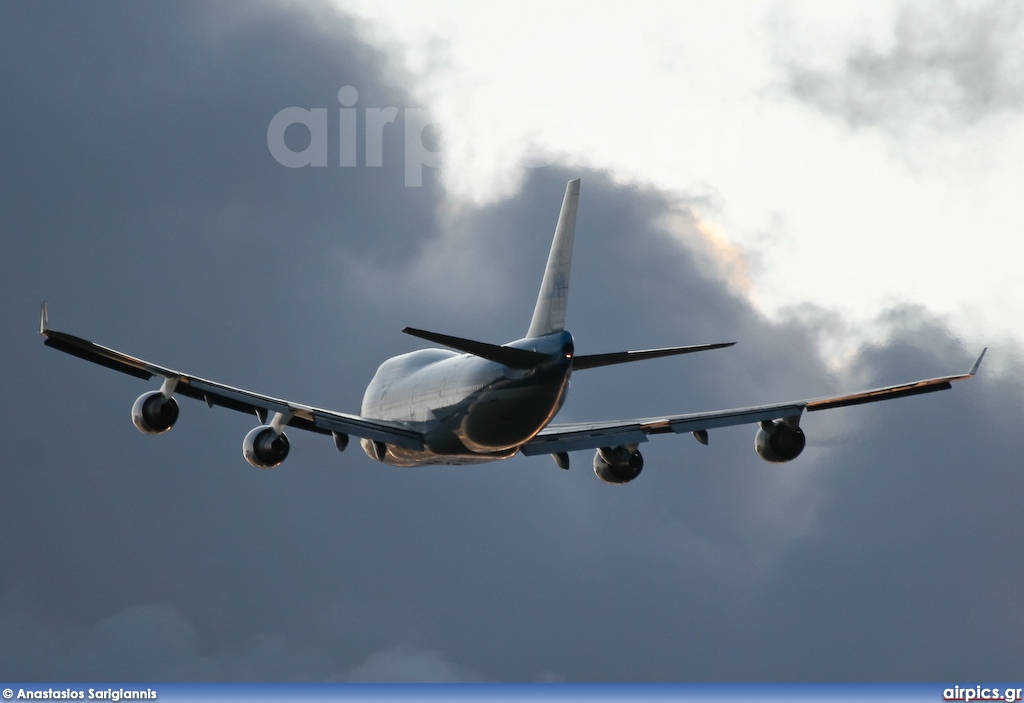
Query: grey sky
x=139, y=197
x=946, y=65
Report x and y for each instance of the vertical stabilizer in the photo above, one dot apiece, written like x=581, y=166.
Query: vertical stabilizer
x=549, y=314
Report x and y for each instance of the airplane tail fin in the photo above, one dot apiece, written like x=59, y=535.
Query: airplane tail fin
x=549, y=313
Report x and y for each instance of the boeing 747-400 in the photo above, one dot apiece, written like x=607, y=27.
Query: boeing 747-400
x=473, y=402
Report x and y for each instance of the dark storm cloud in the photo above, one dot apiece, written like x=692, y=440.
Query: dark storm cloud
x=947, y=66
x=139, y=196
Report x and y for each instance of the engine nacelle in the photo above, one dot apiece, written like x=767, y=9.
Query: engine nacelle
x=374, y=449
x=618, y=464
x=153, y=413
x=264, y=448
x=778, y=442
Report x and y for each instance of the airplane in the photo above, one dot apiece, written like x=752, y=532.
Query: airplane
x=475, y=402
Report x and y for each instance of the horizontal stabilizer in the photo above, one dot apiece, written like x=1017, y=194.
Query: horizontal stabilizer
x=594, y=360
x=509, y=356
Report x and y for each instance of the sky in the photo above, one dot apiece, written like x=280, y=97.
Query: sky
x=833, y=192
x=840, y=144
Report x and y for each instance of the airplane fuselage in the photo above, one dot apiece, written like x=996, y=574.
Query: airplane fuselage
x=469, y=409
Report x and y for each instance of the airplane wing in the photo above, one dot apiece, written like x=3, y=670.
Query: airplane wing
x=555, y=439
x=301, y=416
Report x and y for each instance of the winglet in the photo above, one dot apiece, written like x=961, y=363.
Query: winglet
x=977, y=363
x=549, y=313
x=44, y=323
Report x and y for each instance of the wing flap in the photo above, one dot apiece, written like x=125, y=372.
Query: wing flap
x=730, y=418
x=378, y=430
x=872, y=396
x=902, y=390
x=571, y=437
x=84, y=349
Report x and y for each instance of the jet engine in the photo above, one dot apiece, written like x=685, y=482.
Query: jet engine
x=618, y=464
x=154, y=413
x=778, y=441
x=264, y=447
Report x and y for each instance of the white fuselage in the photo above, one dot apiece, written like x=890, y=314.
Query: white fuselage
x=469, y=409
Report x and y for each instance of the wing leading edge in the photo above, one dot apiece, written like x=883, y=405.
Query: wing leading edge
x=302, y=416
x=555, y=439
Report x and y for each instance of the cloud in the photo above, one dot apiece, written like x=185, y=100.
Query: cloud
x=155, y=220
x=946, y=66
x=405, y=665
